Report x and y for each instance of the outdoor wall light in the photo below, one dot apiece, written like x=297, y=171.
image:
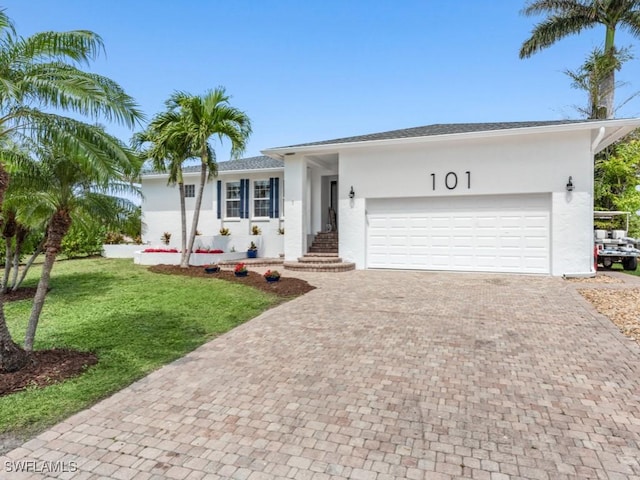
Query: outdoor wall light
x=570, y=184
x=352, y=193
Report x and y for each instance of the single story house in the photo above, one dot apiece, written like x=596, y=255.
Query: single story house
x=512, y=197
x=488, y=197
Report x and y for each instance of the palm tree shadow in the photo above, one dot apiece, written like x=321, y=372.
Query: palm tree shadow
x=78, y=287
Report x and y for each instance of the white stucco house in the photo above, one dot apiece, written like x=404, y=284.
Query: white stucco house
x=493, y=197
x=246, y=193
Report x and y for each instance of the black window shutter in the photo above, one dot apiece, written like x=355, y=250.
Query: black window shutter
x=246, y=198
x=242, y=198
x=271, y=198
x=276, y=197
x=219, y=197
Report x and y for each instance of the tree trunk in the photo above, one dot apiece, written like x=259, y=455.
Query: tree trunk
x=28, y=264
x=21, y=236
x=7, y=265
x=608, y=86
x=196, y=213
x=58, y=228
x=607, y=90
x=183, y=225
x=12, y=357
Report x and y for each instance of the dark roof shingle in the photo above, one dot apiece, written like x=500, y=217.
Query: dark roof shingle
x=437, y=129
x=252, y=163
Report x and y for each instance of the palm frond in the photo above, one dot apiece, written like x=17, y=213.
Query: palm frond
x=555, y=28
x=79, y=46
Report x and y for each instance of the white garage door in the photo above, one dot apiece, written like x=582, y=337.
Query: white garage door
x=486, y=234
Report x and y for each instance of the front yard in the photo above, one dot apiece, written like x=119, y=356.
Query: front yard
x=134, y=320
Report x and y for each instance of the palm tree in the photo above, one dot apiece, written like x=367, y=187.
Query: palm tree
x=589, y=78
x=63, y=187
x=193, y=120
x=569, y=17
x=167, y=154
x=40, y=75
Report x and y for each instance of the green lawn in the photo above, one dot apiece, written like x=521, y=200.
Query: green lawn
x=134, y=320
x=618, y=267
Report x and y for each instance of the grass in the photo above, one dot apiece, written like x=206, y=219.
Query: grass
x=618, y=267
x=134, y=320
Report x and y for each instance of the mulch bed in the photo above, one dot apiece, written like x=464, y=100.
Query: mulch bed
x=286, y=287
x=21, y=294
x=621, y=306
x=46, y=367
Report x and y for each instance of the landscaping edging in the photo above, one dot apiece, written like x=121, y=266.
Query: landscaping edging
x=196, y=259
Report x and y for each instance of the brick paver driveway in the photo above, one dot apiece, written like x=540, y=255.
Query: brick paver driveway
x=378, y=375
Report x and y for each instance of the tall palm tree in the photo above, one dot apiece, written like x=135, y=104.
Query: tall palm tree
x=39, y=76
x=167, y=154
x=64, y=187
x=193, y=121
x=569, y=17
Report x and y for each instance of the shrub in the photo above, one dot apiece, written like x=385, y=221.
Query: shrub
x=79, y=242
x=113, y=238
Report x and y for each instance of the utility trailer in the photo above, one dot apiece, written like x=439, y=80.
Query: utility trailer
x=614, y=245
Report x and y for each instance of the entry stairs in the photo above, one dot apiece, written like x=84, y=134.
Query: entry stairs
x=322, y=256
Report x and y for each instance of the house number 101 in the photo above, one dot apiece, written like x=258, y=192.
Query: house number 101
x=451, y=180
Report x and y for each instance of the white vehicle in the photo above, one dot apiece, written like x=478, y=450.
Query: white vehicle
x=614, y=245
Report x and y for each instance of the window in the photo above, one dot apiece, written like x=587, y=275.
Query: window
x=189, y=191
x=261, y=198
x=233, y=199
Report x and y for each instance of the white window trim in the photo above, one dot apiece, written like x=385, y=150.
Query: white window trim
x=194, y=190
x=253, y=199
x=226, y=200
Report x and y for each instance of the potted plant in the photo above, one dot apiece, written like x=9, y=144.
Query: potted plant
x=252, y=251
x=271, y=276
x=240, y=270
x=212, y=268
x=166, y=238
x=255, y=230
x=225, y=232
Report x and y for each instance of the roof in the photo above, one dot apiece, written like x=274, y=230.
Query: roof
x=261, y=162
x=604, y=132
x=439, y=129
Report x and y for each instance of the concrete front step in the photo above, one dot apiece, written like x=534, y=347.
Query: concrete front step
x=252, y=262
x=321, y=254
x=319, y=267
x=319, y=259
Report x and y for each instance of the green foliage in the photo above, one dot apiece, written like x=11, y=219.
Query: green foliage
x=591, y=78
x=616, y=176
x=113, y=238
x=28, y=247
x=81, y=242
x=134, y=320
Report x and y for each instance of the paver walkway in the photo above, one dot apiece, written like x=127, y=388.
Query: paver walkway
x=377, y=375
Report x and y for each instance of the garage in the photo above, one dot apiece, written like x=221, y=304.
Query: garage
x=498, y=233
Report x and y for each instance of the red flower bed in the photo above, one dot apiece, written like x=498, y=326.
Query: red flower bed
x=160, y=250
x=204, y=250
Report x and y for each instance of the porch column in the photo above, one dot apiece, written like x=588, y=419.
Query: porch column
x=295, y=207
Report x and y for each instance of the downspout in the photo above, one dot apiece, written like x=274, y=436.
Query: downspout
x=598, y=139
x=594, y=145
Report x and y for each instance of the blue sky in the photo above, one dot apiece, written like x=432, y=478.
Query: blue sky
x=321, y=69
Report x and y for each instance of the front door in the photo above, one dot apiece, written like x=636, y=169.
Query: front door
x=333, y=207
